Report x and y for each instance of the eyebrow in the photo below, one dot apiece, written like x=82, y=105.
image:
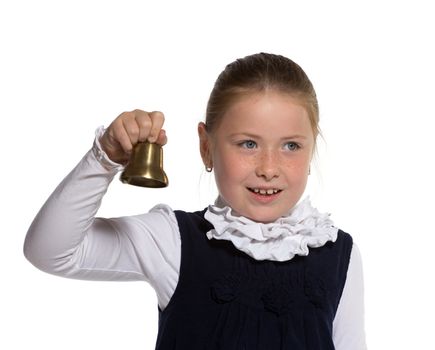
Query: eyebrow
x=245, y=134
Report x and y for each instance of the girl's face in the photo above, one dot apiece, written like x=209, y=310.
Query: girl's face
x=261, y=152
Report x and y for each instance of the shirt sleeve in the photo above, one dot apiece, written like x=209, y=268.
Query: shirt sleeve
x=67, y=239
x=348, y=327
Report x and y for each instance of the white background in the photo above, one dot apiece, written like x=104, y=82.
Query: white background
x=70, y=66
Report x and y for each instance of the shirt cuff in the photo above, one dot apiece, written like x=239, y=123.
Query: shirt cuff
x=100, y=155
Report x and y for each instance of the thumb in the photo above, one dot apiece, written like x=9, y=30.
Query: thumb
x=162, y=138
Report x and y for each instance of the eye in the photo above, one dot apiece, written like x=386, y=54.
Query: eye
x=291, y=146
x=248, y=144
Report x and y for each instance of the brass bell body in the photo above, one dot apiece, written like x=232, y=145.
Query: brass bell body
x=145, y=167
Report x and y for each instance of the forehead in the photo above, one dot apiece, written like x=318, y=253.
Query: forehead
x=266, y=112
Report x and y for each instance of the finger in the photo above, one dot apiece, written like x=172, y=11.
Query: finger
x=144, y=123
x=131, y=127
x=162, y=139
x=157, y=119
x=117, y=132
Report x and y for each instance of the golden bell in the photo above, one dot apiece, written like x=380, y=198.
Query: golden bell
x=145, y=167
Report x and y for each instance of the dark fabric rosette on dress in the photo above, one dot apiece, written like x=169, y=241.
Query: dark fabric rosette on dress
x=267, y=298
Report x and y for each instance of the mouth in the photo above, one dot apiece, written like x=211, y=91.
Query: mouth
x=264, y=191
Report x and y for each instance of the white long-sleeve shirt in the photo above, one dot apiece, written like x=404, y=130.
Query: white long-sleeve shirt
x=67, y=239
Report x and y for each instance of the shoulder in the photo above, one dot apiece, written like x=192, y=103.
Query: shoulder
x=193, y=225
x=350, y=257
x=340, y=244
x=344, y=238
x=163, y=211
x=164, y=215
x=192, y=214
x=195, y=217
x=344, y=243
x=334, y=255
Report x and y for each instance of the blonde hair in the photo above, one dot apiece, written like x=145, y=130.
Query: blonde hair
x=259, y=73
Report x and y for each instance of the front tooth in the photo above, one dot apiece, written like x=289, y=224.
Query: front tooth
x=269, y=191
x=263, y=191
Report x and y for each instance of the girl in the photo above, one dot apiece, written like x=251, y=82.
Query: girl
x=259, y=269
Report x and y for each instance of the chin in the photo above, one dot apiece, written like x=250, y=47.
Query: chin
x=263, y=217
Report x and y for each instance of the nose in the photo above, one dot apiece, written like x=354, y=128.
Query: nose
x=267, y=165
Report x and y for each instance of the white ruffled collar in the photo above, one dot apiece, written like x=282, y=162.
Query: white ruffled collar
x=280, y=240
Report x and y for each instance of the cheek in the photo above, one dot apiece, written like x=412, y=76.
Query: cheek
x=231, y=173
x=298, y=164
x=296, y=170
x=230, y=167
x=303, y=166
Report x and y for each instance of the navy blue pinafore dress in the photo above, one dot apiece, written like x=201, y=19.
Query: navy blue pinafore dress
x=227, y=300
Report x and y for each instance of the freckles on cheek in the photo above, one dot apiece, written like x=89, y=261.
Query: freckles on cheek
x=300, y=162
x=296, y=172
x=301, y=167
x=294, y=165
x=228, y=161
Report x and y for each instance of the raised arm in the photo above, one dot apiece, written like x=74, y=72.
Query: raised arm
x=67, y=239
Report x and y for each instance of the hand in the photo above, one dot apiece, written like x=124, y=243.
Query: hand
x=128, y=129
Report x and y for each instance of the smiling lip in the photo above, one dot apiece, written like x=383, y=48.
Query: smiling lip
x=264, y=195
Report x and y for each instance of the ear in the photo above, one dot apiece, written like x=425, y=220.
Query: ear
x=204, y=145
